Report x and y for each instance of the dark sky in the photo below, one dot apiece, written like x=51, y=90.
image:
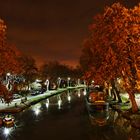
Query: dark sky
x=51, y=29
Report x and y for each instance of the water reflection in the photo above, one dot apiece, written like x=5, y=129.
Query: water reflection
x=7, y=133
x=69, y=96
x=47, y=103
x=98, y=125
x=59, y=102
x=84, y=92
x=78, y=92
x=36, y=109
x=99, y=117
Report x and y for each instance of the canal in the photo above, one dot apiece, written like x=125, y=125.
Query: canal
x=65, y=117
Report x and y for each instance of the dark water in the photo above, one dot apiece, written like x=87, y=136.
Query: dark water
x=64, y=117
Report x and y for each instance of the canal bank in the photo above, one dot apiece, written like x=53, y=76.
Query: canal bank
x=132, y=118
x=19, y=105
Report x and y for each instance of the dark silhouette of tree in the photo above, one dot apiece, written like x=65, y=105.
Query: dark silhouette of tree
x=52, y=70
x=29, y=68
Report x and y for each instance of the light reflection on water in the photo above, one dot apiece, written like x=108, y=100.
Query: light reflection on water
x=68, y=107
x=37, y=109
x=47, y=103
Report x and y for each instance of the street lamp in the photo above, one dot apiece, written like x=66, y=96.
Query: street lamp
x=59, y=82
x=8, y=80
x=47, y=84
x=8, y=77
x=68, y=80
x=78, y=82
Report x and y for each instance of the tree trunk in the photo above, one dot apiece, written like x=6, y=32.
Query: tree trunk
x=133, y=101
x=113, y=94
x=116, y=91
x=118, y=95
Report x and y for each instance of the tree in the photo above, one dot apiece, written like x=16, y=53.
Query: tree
x=8, y=54
x=29, y=69
x=114, y=41
x=5, y=95
x=8, y=61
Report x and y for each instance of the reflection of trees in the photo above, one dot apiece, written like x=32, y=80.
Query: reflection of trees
x=116, y=128
x=125, y=125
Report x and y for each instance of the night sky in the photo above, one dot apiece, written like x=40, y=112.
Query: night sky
x=51, y=29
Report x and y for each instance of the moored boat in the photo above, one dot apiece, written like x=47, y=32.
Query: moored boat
x=8, y=121
x=96, y=100
x=98, y=107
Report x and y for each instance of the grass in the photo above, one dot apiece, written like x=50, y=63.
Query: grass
x=125, y=107
x=124, y=99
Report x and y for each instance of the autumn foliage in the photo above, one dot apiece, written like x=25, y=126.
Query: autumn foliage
x=112, y=49
x=9, y=62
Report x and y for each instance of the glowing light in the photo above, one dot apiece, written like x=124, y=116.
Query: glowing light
x=84, y=92
x=8, y=74
x=7, y=131
x=47, y=104
x=68, y=81
x=68, y=78
x=69, y=98
x=59, y=103
x=79, y=95
x=36, y=109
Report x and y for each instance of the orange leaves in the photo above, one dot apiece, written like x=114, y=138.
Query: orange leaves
x=8, y=53
x=114, y=41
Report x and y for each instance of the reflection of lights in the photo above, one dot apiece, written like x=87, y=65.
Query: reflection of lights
x=84, y=92
x=36, y=109
x=79, y=95
x=7, y=131
x=69, y=98
x=59, y=103
x=47, y=104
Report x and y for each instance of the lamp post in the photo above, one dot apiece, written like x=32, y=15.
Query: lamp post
x=68, y=81
x=59, y=82
x=78, y=82
x=47, y=85
x=8, y=77
x=8, y=84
